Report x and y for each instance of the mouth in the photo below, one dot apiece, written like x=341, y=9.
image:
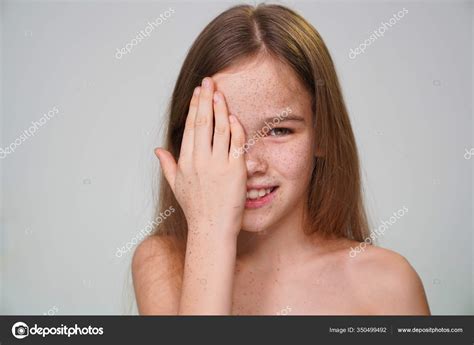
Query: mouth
x=259, y=196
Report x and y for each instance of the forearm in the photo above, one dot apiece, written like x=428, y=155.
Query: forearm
x=208, y=272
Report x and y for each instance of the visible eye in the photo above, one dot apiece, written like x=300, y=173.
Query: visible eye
x=280, y=131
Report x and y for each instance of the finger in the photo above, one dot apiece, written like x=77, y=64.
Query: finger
x=168, y=165
x=204, y=118
x=237, y=140
x=220, y=143
x=188, y=134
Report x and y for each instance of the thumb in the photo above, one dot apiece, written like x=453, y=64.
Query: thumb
x=168, y=165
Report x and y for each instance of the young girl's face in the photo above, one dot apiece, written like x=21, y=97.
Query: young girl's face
x=275, y=110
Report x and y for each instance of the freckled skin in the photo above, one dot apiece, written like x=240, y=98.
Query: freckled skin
x=278, y=269
x=266, y=280
x=254, y=91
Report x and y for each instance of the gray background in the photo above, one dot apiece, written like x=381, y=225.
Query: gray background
x=82, y=186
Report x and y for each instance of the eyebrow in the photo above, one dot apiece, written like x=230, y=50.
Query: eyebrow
x=290, y=117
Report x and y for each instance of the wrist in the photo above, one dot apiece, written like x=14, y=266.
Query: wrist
x=225, y=235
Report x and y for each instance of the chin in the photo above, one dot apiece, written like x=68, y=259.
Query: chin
x=256, y=223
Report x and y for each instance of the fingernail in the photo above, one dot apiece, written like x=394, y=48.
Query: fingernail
x=197, y=91
x=217, y=97
x=206, y=83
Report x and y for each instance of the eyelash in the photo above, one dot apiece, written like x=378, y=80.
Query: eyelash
x=289, y=131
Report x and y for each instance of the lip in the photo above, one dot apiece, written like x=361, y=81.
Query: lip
x=260, y=186
x=260, y=202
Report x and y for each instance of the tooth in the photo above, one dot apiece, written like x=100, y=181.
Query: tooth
x=258, y=193
x=253, y=194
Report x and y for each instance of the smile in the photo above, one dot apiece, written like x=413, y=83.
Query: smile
x=259, y=197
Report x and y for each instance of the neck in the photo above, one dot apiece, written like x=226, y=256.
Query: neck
x=283, y=243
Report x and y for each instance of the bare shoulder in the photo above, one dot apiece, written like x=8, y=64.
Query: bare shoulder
x=156, y=279
x=386, y=282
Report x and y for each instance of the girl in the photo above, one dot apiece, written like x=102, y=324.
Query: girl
x=261, y=165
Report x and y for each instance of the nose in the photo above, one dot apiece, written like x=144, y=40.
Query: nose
x=255, y=161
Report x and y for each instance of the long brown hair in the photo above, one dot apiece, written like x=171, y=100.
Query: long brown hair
x=335, y=204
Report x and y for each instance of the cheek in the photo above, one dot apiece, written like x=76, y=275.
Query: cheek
x=292, y=160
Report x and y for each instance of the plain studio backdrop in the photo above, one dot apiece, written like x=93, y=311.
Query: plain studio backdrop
x=81, y=186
